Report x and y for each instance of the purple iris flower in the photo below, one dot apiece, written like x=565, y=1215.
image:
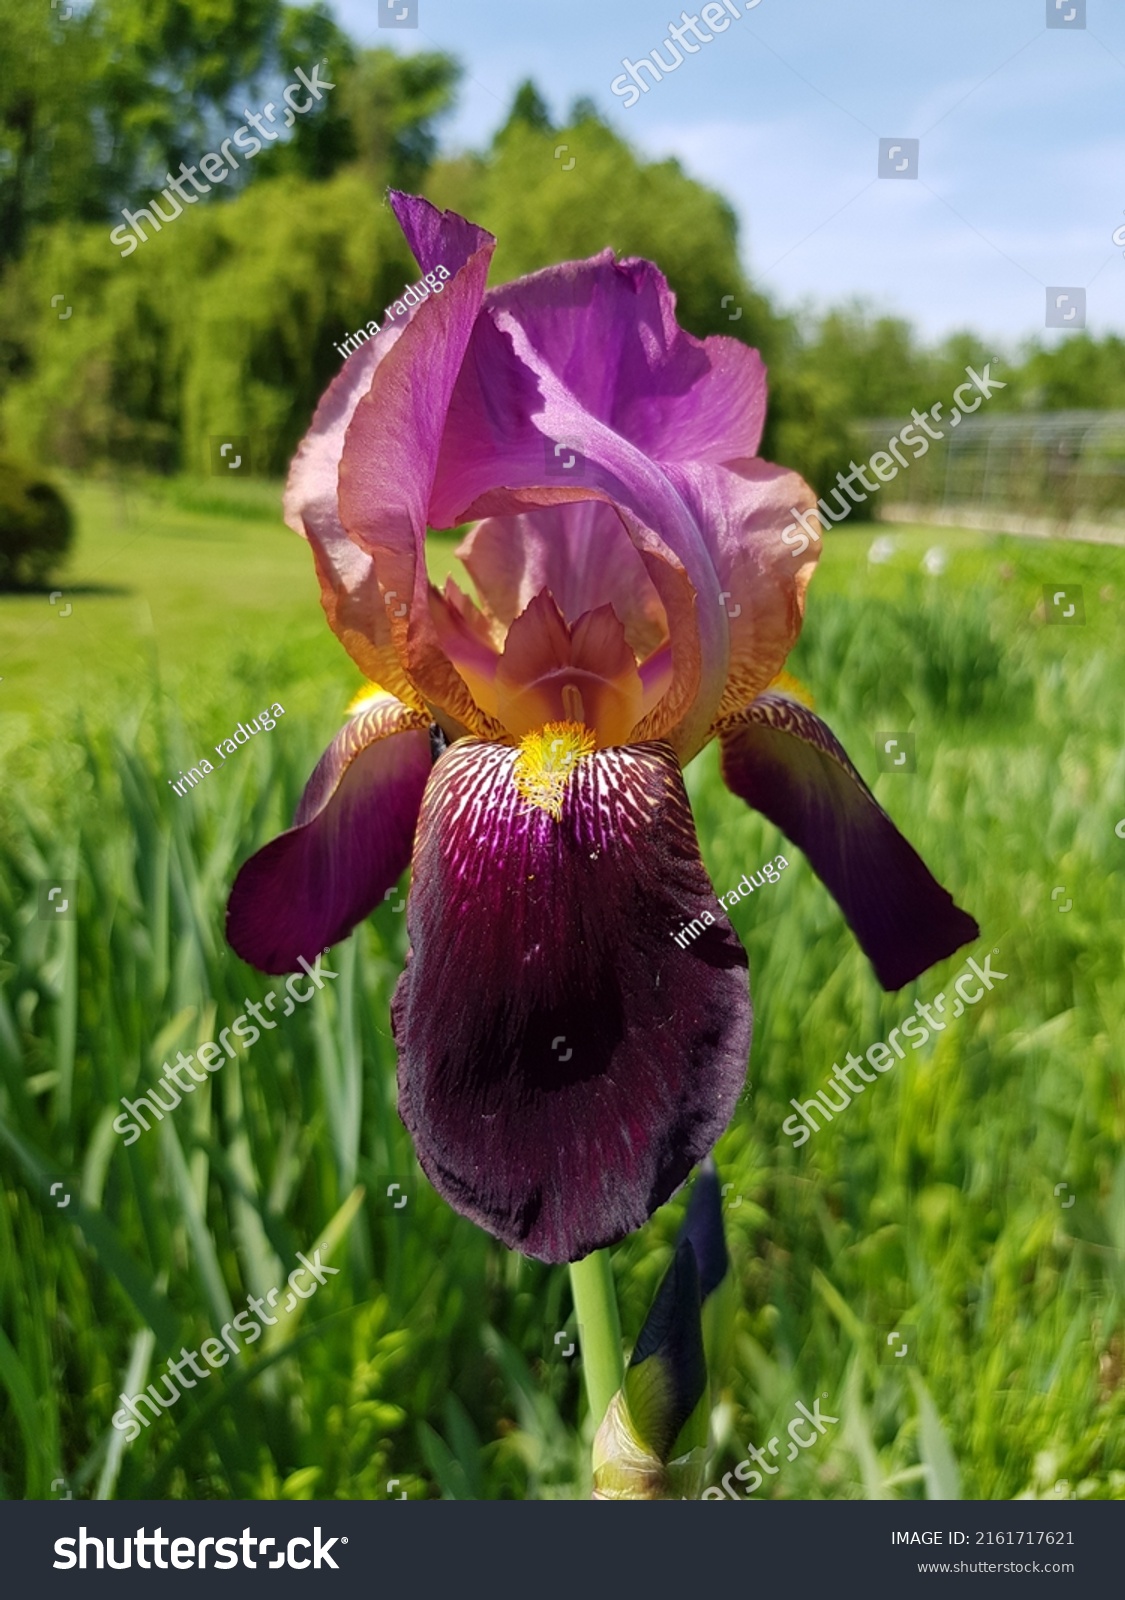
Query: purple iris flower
x=563, y=1063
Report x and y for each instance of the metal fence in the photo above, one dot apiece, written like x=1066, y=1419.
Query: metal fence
x=1058, y=468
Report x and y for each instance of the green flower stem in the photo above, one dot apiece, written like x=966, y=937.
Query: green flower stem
x=599, y=1330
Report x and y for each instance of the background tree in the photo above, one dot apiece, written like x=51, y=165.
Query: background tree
x=380, y=117
x=49, y=148
x=228, y=322
x=36, y=528
x=1080, y=373
x=96, y=109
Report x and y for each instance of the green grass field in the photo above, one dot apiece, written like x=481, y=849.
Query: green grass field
x=931, y=1207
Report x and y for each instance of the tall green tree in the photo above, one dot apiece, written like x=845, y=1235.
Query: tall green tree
x=875, y=361
x=96, y=107
x=172, y=68
x=379, y=117
x=1080, y=373
x=556, y=193
x=49, y=99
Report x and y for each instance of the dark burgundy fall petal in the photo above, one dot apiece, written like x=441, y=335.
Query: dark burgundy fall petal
x=563, y=1063
x=782, y=760
x=308, y=888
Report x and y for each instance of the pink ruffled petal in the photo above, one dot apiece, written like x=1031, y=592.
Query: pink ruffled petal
x=608, y=329
x=744, y=508
x=389, y=463
x=581, y=553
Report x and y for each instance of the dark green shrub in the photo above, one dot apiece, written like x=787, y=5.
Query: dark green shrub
x=36, y=527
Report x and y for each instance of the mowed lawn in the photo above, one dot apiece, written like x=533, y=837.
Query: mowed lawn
x=152, y=585
x=180, y=576
x=971, y=1201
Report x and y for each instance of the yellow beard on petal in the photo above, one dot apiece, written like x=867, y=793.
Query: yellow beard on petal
x=363, y=697
x=546, y=760
x=786, y=683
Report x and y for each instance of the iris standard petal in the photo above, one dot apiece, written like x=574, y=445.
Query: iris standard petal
x=581, y=553
x=563, y=1064
x=635, y=396
x=608, y=328
x=360, y=604
x=389, y=462
x=358, y=610
x=436, y=238
x=310, y=489
x=350, y=842
x=506, y=409
x=782, y=760
x=744, y=508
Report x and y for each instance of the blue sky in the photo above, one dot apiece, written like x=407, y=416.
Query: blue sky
x=1021, y=172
